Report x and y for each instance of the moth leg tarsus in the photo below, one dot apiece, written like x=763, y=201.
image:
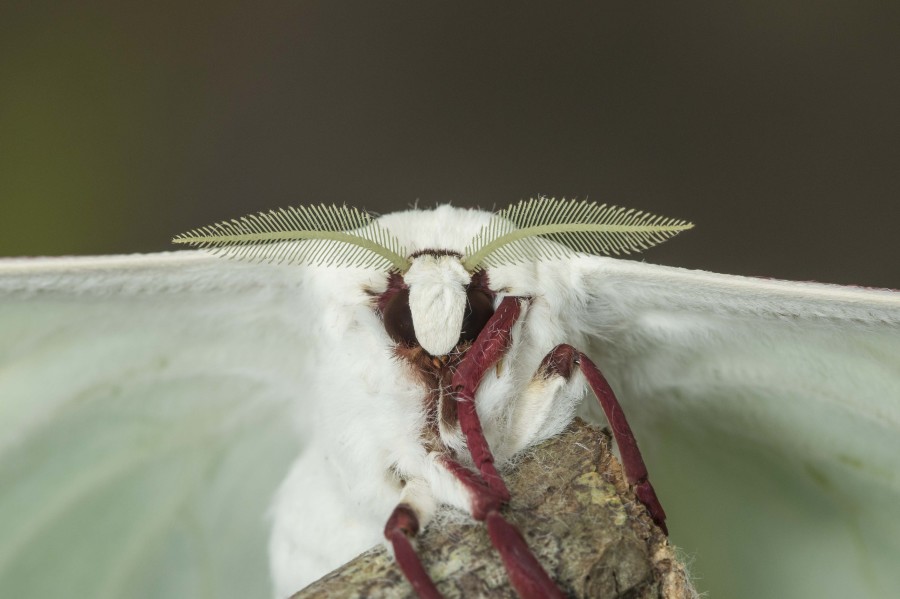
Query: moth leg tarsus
x=402, y=525
x=647, y=495
x=632, y=461
x=526, y=574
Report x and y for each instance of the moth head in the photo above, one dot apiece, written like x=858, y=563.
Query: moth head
x=437, y=304
x=435, y=299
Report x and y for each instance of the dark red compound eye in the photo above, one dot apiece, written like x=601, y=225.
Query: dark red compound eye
x=479, y=309
x=398, y=319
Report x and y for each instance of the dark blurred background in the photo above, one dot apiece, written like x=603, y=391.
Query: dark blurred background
x=774, y=125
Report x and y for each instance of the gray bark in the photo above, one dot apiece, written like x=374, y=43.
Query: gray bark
x=573, y=506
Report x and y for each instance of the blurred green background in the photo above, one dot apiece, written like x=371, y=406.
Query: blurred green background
x=772, y=124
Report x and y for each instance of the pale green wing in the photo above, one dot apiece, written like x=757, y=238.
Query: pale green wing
x=145, y=421
x=769, y=414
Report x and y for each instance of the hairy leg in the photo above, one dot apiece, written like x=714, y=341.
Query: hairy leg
x=488, y=490
x=489, y=347
x=632, y=461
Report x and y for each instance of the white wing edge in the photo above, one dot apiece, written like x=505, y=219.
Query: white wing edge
x=41, y=264
x=140, y=274
x=646, y=285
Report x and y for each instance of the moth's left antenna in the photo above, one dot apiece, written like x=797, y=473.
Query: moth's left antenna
x=316, y=235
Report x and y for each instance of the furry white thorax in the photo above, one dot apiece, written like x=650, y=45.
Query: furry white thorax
x=437, y=301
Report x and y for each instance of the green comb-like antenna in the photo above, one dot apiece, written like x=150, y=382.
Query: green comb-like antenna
x=320, y=235
x=549, y=228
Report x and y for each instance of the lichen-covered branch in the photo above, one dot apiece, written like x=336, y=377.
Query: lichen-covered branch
x=571, y=502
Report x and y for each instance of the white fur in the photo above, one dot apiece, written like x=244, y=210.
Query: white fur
x=787, y=391
x=437, y=300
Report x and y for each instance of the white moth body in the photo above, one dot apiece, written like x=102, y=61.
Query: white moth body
x=151, y=407
x=371, y=408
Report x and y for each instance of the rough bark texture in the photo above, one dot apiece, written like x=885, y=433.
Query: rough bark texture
x=571, y=503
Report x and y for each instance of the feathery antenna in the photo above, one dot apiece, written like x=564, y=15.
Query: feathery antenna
x=316, y=235
x=544, y=227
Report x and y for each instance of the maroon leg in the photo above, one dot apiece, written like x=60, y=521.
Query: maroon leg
x=526, y=574
x=633, y=463
x=489, y=347
x=484, y=499
x=478, y=447
x=402, y=525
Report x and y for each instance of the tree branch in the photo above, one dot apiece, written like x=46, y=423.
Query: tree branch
x=573, y=506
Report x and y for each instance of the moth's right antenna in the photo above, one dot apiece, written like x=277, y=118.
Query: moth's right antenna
x=544, y=227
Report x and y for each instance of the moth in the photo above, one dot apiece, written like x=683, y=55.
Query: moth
x=155, y=408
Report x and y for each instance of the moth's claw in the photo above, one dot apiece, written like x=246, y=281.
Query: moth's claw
x=647, y=496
